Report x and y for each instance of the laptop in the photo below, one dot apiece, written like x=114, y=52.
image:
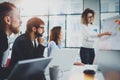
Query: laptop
x=26, y=68
x=64, y=58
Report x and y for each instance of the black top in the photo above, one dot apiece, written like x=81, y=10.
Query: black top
x=3, y=48
x=3, y=44
x=23, y=49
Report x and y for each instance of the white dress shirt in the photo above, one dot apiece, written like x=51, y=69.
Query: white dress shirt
x=89, y=34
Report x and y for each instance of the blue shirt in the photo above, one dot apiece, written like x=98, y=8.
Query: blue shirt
x=53, y=46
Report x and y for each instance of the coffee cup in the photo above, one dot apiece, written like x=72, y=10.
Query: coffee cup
x=54, y=72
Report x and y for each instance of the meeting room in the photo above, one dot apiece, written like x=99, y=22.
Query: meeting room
x=59, y=39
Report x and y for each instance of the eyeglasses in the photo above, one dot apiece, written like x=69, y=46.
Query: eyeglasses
x=90, y=17
x=41, y=27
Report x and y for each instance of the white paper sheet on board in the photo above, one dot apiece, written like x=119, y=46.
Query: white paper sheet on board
x=111, y=42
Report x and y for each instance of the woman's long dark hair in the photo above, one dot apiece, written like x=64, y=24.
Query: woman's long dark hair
x=55, y=34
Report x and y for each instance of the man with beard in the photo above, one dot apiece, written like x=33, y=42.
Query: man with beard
x=9, y=23
x=29, y=45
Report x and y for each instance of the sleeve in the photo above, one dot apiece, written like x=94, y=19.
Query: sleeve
x=16, y=52
x=52, y=46
x=3, y=46
x=3, y=43
x=16, y=55
x=40, y=50
x=21, y=50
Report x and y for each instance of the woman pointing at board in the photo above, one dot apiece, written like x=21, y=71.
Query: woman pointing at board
x=87, y=52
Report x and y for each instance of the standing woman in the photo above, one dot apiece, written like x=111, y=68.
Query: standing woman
x=55, y=39
x=87, y=52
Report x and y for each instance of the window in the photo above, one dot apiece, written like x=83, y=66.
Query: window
x=109, y=5
x=64, y=13
x=58, y=21
x=65, y=6
x=73, y=36
x=109, y=8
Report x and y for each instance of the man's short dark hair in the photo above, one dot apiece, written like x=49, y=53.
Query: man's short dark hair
x=5, y=8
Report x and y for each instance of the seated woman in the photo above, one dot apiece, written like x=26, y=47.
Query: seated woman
x=55, y=39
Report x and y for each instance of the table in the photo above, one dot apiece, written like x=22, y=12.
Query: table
x=76, y=73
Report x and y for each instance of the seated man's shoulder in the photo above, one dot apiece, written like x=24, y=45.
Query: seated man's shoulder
x=21, y=38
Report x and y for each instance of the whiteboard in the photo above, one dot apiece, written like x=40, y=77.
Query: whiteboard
x=111, y=42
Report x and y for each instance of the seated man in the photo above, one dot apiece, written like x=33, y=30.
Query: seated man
x=9, y=23
x=29, y=45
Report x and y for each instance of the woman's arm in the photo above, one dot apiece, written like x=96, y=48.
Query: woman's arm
x=105, y=33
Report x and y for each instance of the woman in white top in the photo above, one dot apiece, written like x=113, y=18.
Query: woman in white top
x=54, y=39
x=87, y=53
